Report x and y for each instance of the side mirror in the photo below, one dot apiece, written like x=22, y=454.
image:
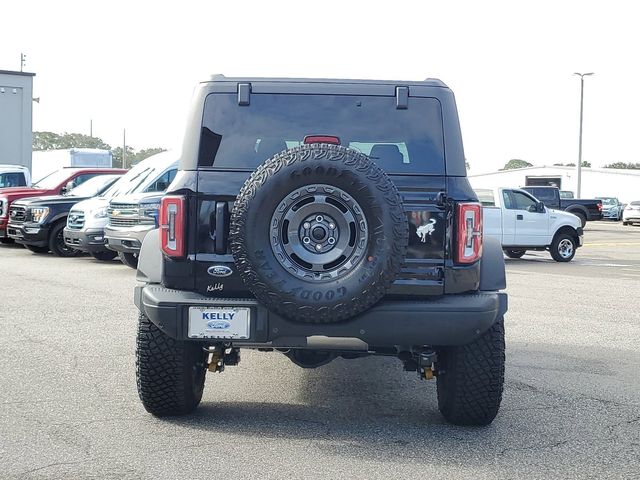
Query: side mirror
x=67, y=188
x=540, y=207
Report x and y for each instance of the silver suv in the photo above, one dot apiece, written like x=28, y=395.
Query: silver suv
x=131, y=217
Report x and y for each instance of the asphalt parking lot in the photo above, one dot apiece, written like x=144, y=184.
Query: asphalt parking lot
x=571, y=405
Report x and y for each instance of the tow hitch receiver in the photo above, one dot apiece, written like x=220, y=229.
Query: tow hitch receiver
x=426, y=362
x=423, y=363
x=222, y=356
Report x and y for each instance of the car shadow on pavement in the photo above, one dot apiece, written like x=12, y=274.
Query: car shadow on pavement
x=366, y=407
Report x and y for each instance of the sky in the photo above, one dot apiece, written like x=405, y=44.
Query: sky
x=134, y=64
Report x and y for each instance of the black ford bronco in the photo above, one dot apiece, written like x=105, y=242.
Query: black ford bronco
x=322, y=219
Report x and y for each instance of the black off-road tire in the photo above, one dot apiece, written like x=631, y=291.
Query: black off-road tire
x=625, y=223
x=129, y=259
x=56, y=242
x=583, y=219
x=275, y=183
x=170, y=374
x=7, y=241
x=556, y=246
x=514, y=253
x=36, y=249
x=470, y=379
x=104, y=255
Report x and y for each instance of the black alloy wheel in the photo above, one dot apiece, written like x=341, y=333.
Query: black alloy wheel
x=319, y=232
x=56, y=242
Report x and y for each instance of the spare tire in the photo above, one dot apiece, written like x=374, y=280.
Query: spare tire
x=318, y=233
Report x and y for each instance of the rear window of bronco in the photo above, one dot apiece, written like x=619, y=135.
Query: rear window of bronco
x=401, y=141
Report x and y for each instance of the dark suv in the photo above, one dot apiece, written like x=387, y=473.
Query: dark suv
x=322, y=219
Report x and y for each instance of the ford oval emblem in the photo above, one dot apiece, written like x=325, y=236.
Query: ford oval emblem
x=218, y=325
x=219, y=271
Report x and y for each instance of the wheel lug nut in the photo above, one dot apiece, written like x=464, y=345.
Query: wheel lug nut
x=306, y=225
x=331, y=240
x=318, y=247
x=306, y=240
x=332, y=226
x=319, y=218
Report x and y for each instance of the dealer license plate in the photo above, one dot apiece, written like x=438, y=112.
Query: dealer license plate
x=219, y=322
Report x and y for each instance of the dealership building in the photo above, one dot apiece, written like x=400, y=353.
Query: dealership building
x=596, y=182
x=16, y=100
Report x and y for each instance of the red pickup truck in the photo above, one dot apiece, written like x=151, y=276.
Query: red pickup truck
x=56, y=183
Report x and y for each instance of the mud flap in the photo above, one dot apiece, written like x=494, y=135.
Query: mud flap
x=492, y=273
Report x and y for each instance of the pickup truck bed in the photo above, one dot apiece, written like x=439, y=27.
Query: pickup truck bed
x=586, y=209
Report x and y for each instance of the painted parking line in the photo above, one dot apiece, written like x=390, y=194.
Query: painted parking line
x=613, y=265
x=613, y=244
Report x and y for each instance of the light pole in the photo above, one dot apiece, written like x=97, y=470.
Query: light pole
x=581, y=75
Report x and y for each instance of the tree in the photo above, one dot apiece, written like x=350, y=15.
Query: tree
x=45, y=141
x=516, y=163
x=133, y=157
x=147, y=152
x=54, y=141
x=628, y=166
x=117, y=157
x=584, y=164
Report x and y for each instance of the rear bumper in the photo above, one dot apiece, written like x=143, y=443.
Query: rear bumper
x=126, y=240
x=449, y=320
x=28, y=234
x=580, y=232
x=90, y=240
x=610, y=214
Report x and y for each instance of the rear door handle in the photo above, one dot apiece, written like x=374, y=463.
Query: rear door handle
x=519, y=217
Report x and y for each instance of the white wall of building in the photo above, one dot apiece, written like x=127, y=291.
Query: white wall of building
x=596, y=182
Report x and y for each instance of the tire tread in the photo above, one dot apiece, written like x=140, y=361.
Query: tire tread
x=470, y=388
x=162, y=371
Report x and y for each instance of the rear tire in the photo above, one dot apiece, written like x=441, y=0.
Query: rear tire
x=38, y=250
x=57, y=245
x=170, y=374
x=583, y=219
x=7, y=241
x=105, y=255
x=513, y=253
x=625, y=223
x=563, y=248
x=471, y=377
x=129, y=259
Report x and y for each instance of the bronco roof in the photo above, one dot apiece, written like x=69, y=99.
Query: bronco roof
x=429, y=82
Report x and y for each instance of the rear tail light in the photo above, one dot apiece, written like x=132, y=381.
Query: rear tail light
x=172, y=225
x=469, y=233
x=321, y=139
x=600, y=207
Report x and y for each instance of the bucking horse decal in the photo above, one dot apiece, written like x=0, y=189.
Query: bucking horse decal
x=426, y=229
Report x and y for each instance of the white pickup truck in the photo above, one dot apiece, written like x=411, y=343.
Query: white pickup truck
x=521, y=222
